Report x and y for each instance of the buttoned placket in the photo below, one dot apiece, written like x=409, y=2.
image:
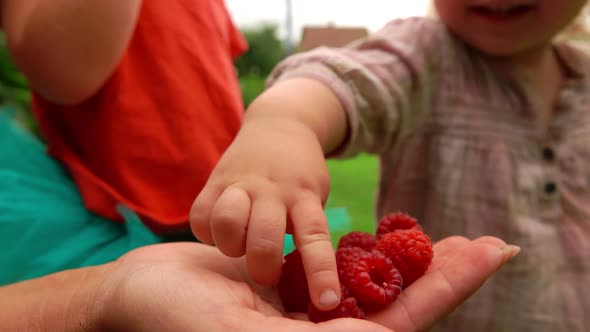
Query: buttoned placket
x=549, y=196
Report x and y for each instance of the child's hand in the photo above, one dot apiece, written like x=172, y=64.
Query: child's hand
x=273, y=178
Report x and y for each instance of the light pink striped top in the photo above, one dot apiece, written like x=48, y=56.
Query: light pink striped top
x=459, y=150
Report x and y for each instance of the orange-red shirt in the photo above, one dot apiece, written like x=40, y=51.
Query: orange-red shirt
x=151, y=136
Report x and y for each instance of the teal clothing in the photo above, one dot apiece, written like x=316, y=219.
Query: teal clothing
x=44, y=226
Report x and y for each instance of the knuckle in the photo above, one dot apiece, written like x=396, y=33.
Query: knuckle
x=312, y=240
x=308, y=185
x=262, y=248
x=315, y=229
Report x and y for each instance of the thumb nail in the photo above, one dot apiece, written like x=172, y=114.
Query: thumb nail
x=510, y=251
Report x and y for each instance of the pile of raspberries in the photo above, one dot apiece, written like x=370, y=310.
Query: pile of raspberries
x=373, y=269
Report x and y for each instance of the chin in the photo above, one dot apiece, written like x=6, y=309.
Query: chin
x=501, y=48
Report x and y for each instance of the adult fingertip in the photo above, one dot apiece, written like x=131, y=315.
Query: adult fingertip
x=509, y=251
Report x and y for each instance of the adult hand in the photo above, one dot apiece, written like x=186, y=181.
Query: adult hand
x=192, y=287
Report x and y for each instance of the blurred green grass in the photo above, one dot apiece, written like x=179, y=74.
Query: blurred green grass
x=351, y=203
x=353, y=186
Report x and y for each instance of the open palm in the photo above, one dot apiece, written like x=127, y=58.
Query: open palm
x=193, y=287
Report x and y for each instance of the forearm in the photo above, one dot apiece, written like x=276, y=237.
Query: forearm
x=64, y=301
x=76, y=43
x=306, y=102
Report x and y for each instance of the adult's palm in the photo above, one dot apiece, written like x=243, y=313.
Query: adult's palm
x=193, y=287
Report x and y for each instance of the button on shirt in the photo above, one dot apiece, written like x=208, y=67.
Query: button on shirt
x=459, y=150
x=548, y=154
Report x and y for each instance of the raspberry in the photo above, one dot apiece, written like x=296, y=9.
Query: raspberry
x=374, y=281
x=347, y=308
x=395, y=221
x=410, y=251
x=372, y=269
x=358, y=239
x=292, y=286
x=344, y=291
x=346, y=260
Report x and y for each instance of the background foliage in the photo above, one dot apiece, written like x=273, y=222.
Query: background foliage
x=13, y=86
x=14, y=90
x=265, y=51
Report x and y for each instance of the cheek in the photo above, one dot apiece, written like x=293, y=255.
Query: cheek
x=440, y=7
x=450, y=12
x=561, y=13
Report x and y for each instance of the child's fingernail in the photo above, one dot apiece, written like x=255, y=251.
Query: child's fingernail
x=329, y=298
x=510, y=251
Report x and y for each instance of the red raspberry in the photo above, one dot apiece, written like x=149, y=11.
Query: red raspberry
x=358, y=239
x=347, y=308
x=395, y=221
x=346, y=260
x=374, y=281
x=410, y=251
x=344, y=291
x=292, y=286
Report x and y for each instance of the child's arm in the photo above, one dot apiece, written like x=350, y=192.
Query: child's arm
x=67, y=49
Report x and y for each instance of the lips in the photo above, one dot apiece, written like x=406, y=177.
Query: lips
x=502, y=4
x=502, y=10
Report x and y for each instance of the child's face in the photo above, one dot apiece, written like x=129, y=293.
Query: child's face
x=507, y=27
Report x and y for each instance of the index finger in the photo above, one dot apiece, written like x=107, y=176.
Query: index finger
x=312, y=239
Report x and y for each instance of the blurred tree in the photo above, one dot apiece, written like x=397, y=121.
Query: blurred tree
x=251, y=86
x=265, y=51
x=14, y=90
x=13, y=86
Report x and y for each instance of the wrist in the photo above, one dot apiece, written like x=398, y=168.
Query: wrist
x=285, y=128
x=307, y=102
x=65, y=301
x=281, y=130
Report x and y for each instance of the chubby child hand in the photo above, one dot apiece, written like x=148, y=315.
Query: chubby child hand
x=273, y=179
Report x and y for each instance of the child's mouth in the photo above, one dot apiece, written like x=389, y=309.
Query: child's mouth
x=503, y=13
